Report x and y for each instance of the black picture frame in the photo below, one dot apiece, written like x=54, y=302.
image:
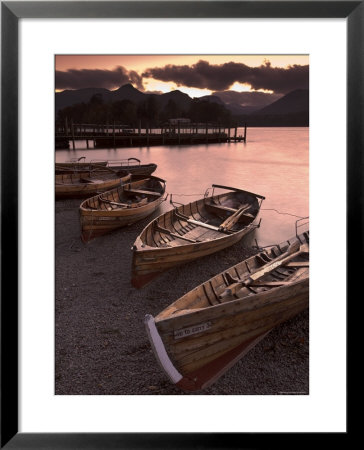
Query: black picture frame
x=11, y=12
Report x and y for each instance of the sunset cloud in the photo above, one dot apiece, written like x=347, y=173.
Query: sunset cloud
x=101, y=78
x=220, y=77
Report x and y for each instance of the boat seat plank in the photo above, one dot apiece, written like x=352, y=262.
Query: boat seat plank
x=297, y=264
x=90, y=180
x=219, y=208
x=142, y=192
x=104, y=200
x=269, y=283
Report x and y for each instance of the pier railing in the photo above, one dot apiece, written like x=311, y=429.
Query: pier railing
x=121, y=135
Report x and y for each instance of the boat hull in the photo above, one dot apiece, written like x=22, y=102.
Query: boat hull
x=98, y=223
x=121, y=206
x=233, y=329
x=192, y=231
x=150, y=263
x=206, y=331
x=136, y=170
x=83, y=190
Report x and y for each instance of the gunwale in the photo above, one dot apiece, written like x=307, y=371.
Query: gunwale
x=231, y=327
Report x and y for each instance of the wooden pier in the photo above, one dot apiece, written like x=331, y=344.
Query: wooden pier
x=118, y=135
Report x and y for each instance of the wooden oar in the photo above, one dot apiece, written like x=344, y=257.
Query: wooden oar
x=255, y=276
x=293, y=250
x=200, y=224
x=231, y=220
x=124, y=205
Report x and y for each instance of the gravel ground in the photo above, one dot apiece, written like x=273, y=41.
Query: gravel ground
x=101, y=344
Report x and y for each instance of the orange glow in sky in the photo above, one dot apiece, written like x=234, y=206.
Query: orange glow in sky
x=141, y=62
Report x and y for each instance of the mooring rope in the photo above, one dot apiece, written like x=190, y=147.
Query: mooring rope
x=262, y=209
x=278, y=212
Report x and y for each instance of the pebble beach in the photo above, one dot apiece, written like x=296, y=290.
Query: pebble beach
x=101, y=347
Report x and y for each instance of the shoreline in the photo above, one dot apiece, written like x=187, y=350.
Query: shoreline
x=101, y=345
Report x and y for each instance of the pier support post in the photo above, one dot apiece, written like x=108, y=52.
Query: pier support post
x=245, y=132
x=73, y=135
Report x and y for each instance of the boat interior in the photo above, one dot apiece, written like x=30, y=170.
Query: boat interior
x=206, y=219
x=271, y=268
x=130, y=195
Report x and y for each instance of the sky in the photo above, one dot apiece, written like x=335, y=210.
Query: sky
x=243, y=79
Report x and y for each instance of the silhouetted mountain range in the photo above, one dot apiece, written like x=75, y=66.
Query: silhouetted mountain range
x=292, y=108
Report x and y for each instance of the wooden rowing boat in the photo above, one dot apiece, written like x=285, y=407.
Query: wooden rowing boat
x=131, y=165
x=191, y=231
x=77, y=166
x=204, y=333
x=121, y=206
x=86, y=184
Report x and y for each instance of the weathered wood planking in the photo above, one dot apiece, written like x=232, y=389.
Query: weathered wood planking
x=154, y=253
x=121, y=206
x=86, y=184
x=204, y=333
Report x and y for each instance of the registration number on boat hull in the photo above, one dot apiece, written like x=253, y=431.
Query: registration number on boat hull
x=184, y=332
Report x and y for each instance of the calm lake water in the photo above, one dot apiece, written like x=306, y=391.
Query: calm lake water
x=274, y=162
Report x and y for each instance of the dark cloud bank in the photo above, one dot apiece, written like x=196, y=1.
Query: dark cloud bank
x=86, y=78
x=204, y=75
x=201, y=75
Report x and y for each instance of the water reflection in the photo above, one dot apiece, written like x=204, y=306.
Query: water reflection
x=273, y=162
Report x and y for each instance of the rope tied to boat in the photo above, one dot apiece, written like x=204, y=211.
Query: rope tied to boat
x=279, y=212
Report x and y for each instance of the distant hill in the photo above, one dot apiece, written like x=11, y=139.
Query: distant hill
x=212, y=98
x=69, y=98
x=183, y=101
x=290, y=110
x=126, y=92
x=234, y=108
x=238, y=110
x=295, y=102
